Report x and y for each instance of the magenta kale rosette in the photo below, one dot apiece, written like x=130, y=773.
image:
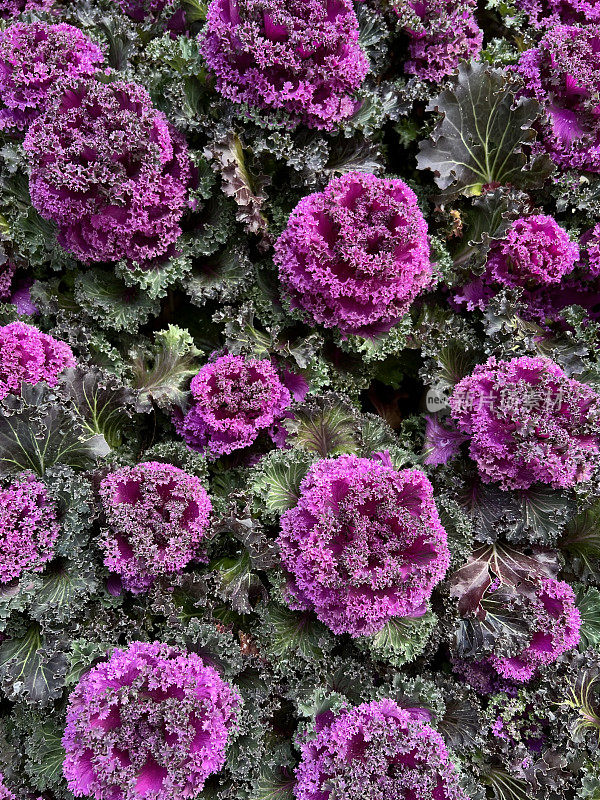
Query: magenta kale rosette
x=153, y=720
x=363, y=545
x=157, y=516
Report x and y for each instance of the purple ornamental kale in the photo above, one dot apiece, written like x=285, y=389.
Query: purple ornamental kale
x=12, y=8
x=377, y=750
x=27, y=355
x=152, y=721
x=356, y=255
x=535, y=250
x=447, y=32
x=563, y=74
x=32, y=59
x=234, y=401
x=28, y=528
x=556, y=629
x=528, y=422
x=157, y=516
x=301, y=56
x=535, y=253
x=363, y=545
x=110, y=170
x=548, y=13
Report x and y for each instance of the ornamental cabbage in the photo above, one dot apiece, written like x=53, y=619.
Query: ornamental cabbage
x=547, y=13
x=153, y=720
x=299, y=56
x=363, y=545
x=555, y=626
x=446, y=33
x=28, y=528
x=157, y=516
x=234, y=401
x=534, y=251
x=32, y=59
x=356, y=255
x=563, y=74
x=377, y=750
x=27, y=355
x=110, y=170
x=12, y=8
x=528, y=422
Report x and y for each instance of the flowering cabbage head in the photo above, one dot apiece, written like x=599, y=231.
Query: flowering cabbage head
x=5, y=792
x=301, y=56
x=12, y=8
x=356, y=255
x=534, y=251
x=547, y=13
x=377, y=750
x=157, y=516
x=555, y=629
x=28, y=528
x=234, y=401
x=364, y=544
x=445, y=33
x=28, y=355
x=528, y=422
x=563, y=74
x=32, y=59
x=152, y=721
x=110, y=170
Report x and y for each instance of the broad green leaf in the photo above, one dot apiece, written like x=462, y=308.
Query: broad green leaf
x=479, y=140
x=160, y=376
x=41, y=435
x=103, y=405
x=291, y=632
x=327, y=426
x=275, y=785
x=581, y=539
x=401, y=640
x=44, y=756
x=111, y=303
x=61, y=585
x=278, y=483
x=237, y=581
x=32, y=668
x=588, y=603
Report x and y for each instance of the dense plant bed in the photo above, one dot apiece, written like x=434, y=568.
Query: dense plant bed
x=299, y=399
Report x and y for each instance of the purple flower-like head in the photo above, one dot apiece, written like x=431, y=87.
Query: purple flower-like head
x=28, y=528
x=234, y=401
x=12, y=8
x=110, y=170
x=534, y=252
x=563, y=73
x=152, y=721
x=27, y=355
x=528, y=422
x=446, y=34
x=364, y=544
x=157, y=516
x=32, y=59
x=355, y=255
x=301, y=56
x=377, y=750
x=547, y=13
x=555, y=630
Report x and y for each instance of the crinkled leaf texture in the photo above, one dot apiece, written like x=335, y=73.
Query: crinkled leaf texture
x=479, y=139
